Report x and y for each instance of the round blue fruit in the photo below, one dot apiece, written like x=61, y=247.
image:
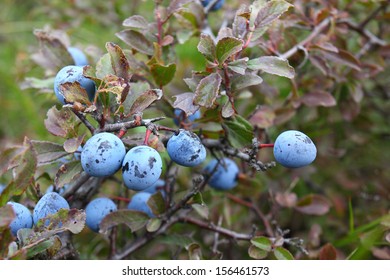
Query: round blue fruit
x=225, y=176
x=72, y=74
x=23, y=217
x=49, y=204
x=216, y=6
x=102, y=154
x=294, y=149
x=96, y=210
x=181, y=117
x=141, y=167
x=139, y=202
x=185, y=148
x=60, y=190
x=79, y=58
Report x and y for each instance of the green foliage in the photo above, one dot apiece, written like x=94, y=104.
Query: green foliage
x=271, y=66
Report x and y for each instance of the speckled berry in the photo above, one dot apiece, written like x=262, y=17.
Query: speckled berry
x=79, y=58
x=185, y=148
x=49, y=204
x=102, y=154
x=141, y=167
x=23, y=217
x=139, y=202
x=294, y=149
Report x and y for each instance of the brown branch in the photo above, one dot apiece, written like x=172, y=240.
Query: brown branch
x=114, y=127
x=84, y=120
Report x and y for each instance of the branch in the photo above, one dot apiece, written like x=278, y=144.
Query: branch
x=114, y=127
x=84, y=120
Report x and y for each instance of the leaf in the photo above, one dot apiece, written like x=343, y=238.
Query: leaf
x=239, y=65
x=117, y=86
x=9, y=158
x=257, y=253
x=136, y=22
x=163, y=74
x=156, y=203
x=283, y=254
x=48, y=152
x=286, y=199
x=119, y=62
x=153, y=224
x=202, y=210
x=195, y=251
x=185, y=102
x=67, y=173
x=227, y=109
x=178, y=240
x=104, y=67
x=35, y=83
x=328, y=252
x=41, y=246
x=136, y=40
x=194, y=81
x=61, y=123
x=268, y=13
x=239, y=25
x=135, y=220
x=313, y=204
x=342, y=57
x=272, y=65
x=7, y=215
x=206, y=47
x=74, y=92
x=71, y=145
x=145, y=100
x=175, y=6
x=239, y=131
x=243, y=81
x=207, y=90
x=262, y=243
x=226, y=47
x=318, y=98
x=263, y=117
x=23, y=174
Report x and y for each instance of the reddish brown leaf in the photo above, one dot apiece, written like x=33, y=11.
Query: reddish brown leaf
x=313, y=204
x=286, y=199
x=318, y=98
x=328, y=252
x=264, y=117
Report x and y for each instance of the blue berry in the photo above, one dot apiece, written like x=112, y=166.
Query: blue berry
x=96, y=210
x=141, y=167
x=60, y=190
x=139, y=202
x=225, y=176
x=216, y=6
x=23, y=217
x=79, y=58
x=186, y=149
x=102, y=154
x=49, y=204
x=71, y=74
x=180, y=117
x=294, y=149
x=156, y=187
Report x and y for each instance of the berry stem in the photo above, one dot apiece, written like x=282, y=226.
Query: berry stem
x=270, y=145
x=147, y=136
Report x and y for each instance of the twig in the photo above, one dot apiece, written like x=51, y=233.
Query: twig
x=84, y=120
x=127, y=125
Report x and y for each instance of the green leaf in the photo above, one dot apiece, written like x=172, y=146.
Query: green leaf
x=242, y=81
x=42, y=246
x=136, y=22
x=272, y=65
x=202, y=210
x=238, y=130
x=194, y=251
x=48, y=152
x=68, y=173
x=145, y=100
x=156, y=203
x=71, y=145
x=178, y=240
x=135, y=220
x=43, y=84
x=262, y=243
x=207, y=90
x=117, y=86
x=74, y=92
x=185, y=102
x=206, y=47
x=153, y=224
x=72, y=220
x=226, y=47
x=239, y=65
x=62, y=122
x=313, y=204
x=227, y=109
x=268, y=13
x=257, y=253
x=163, y=74
x=9, y=158
x=119, y=62
x=103, y=67
x=137, y=41
x=283, y=254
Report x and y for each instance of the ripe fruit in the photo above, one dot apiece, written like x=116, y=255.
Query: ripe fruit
x=96, y=210
x=139, y=202
x=23, y=217
x=71, y=74
x=185, y=148
x=216, y=6
x=102, y=154
x=141, y=167
x=79, y=58
x=49, y=204
x=60, y=190
x=294, y=149
x=180, y=117
x=225, y=176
